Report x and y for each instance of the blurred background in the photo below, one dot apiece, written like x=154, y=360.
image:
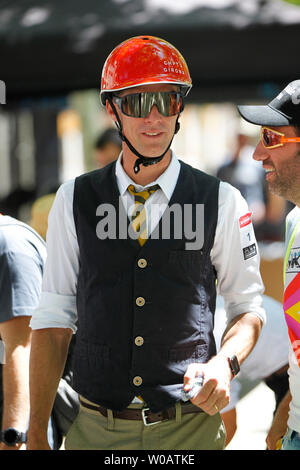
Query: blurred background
x=51, y=58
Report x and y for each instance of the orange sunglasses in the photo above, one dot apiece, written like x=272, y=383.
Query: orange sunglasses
x=272, y=139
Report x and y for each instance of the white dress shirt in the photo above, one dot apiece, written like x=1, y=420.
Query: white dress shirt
x=239, y=280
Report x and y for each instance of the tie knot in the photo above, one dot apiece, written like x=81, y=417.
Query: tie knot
x=142, y=196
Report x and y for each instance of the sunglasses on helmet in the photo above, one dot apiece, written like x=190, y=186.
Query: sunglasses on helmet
x=139, y=105
x=272, y=139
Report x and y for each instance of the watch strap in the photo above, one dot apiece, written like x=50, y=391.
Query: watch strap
x=234, y=365
x=21, y=437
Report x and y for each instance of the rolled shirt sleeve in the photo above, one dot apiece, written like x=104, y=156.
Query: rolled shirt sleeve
x=55, y=311
x=57, y=306
x=235, y=256
x=20, y=281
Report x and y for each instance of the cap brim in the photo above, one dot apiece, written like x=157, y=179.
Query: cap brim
x=263, y=116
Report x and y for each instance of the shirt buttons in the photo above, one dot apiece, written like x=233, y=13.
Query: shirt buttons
x=139, y=341
x=140, y=301
x=142, y=263
x=137, y=380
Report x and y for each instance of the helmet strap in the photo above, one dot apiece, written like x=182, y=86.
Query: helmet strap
x=141, y=160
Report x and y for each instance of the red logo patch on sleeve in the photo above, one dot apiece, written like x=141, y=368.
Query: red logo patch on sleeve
x=245, y=219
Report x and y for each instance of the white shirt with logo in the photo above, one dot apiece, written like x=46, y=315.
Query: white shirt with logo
x=234, y=254
x=291, y=307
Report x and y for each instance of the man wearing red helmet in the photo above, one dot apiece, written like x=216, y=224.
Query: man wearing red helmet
x=148, y=62
x=128, y=273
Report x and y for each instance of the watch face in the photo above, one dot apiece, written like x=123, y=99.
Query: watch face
x=234, y=364
x=11, y=436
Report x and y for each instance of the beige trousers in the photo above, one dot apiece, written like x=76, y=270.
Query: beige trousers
x=194, y=431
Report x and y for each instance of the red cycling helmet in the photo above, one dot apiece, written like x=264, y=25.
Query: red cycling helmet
x=144, y=60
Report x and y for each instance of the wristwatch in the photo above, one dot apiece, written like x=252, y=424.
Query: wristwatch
x=12, y=436
x=234, y=365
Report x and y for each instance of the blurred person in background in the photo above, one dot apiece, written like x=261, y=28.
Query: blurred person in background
x=108, y=147
x=279, y=153
x=39, y=214
x=246, y=175
x=13, y=203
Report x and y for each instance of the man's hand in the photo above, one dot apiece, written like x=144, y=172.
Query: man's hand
x=238, y=339
x=215, y=392
x=276, y=432
x=279, y=425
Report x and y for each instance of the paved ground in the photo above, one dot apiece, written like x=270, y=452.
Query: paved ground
x=254, y=417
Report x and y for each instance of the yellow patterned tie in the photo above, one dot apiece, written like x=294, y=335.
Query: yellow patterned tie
x=139, y=220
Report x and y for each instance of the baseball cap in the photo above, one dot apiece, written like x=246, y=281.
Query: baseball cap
x=284, y=110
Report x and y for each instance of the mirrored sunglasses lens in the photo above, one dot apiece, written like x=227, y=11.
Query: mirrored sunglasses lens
x=270, y=138
x=140, y=104
x=131, y=105
x=169, y=104
x=147, y=101
x=176, y=104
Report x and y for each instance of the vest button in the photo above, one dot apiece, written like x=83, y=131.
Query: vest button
x=142, y=263
x=140, y=301
x=137, y=380
x=139, y=341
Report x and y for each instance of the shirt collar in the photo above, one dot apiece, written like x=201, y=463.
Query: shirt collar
x=167, y=180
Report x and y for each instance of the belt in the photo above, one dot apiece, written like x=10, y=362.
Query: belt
x=144, y=414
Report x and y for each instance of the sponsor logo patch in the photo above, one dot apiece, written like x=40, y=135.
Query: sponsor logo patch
x=249, y=251
x=293, y=264
x=245, y=219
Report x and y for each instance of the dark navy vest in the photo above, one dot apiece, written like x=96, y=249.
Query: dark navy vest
x=144, y=313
